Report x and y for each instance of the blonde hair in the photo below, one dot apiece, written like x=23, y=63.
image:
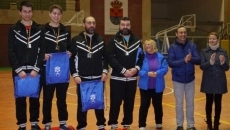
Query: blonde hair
x=153, y=44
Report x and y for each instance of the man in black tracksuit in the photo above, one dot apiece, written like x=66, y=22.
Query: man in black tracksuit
x=26, y=53
x=125, y=56
x=88, y=62
x=57, y=39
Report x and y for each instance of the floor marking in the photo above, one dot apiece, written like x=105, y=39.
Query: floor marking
x=165, y=104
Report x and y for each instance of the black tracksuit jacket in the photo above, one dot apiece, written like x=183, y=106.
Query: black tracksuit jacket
x=20, y=56
x=80, y=64
x=119, y=60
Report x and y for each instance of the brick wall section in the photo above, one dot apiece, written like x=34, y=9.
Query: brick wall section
x=134, y=13
x=4, y=62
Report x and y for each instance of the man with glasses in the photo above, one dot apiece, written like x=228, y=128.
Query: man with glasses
x=125, y=57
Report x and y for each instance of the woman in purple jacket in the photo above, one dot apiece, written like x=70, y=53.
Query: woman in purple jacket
x=152, y=83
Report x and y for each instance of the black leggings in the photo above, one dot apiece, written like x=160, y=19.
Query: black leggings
x=216, y=98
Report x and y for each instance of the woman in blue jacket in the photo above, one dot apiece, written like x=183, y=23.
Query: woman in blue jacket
x=152, y=83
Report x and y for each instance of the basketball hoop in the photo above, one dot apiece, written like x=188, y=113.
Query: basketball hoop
x=79, y=16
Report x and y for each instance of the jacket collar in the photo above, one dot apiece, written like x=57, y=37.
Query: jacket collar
x=181, y=44
x=118, y=34
x=34, y=24
x=62, y=27
x=83, y=34
x=209, y=49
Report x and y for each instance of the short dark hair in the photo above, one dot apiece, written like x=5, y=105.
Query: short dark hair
x=124, y=19
x=25, y=3
x=52, y=7
x=181, y=26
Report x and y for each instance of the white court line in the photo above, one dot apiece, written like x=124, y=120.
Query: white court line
x=169, y=92
x=76, y=95
x=71, y=93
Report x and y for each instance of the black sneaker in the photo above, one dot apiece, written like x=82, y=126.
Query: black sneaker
x=47, y=127
x=179, y=128
x=64, y=127
x=126, y=128
x=35, y=127
x=192, y=128
x=22, y=128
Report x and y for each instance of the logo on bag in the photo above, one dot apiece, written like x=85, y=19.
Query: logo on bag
x=57, y=70
x=92, y=98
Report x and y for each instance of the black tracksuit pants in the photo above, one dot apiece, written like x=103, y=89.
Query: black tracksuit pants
x=48, y=93
x=122, y=91
x=82, y=116
x=21, y=106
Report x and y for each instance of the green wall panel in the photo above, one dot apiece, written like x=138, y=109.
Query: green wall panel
x=38, y=4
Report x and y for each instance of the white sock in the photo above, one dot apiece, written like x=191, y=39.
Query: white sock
x=48, y=124
x=34, y=123
x=101, y=126
x=62, y=122
x=22, y=125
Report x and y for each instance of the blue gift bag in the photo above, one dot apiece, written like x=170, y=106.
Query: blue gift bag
x=92, y=96
x=26, y=87
x=57, y=68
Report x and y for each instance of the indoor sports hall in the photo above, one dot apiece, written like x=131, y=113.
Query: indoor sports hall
x=155, y=19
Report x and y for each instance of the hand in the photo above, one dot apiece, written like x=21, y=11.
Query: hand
x=222, y=58
x=133, y=71
x=152, y=74
x=213, y=56
x=69, y=53
x=188, y=57
x=103, y=77
x=33, y=73
x=22, y=75
x=127, y=73
x=212, y=59
x=77, y=80
x=47, y=56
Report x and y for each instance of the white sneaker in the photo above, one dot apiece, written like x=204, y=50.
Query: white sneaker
x=159, y=126
x=142, y=128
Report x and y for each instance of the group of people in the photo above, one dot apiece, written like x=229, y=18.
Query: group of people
x=213, y=61
x=31, y=45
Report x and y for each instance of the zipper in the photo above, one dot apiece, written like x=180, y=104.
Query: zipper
x=185, y=66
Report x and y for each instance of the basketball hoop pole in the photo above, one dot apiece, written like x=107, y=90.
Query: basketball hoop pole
x=79, y=15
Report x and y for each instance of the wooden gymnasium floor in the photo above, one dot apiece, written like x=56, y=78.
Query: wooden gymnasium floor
x=8, y=121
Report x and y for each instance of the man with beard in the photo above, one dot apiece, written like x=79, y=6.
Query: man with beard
x=88, y=63
x=125, y=57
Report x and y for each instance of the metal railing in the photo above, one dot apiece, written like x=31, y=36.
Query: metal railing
x=188, y=21
x=37, y=4
x=79, y=16
x=225, y=32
